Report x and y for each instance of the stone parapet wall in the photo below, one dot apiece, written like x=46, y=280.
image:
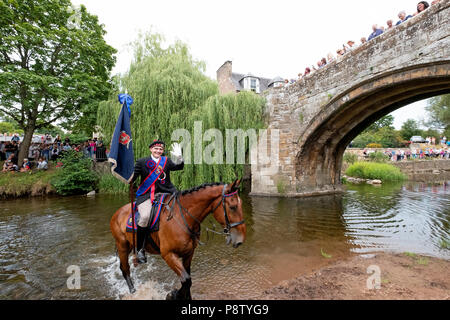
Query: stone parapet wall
x=422, y=166
x=320, y=115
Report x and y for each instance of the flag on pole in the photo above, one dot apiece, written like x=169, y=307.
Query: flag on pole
x=121, y=154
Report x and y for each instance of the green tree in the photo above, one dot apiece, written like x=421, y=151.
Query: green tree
x=410, y=128
x=171, y=92
x=384, y=122
x=50, y=69
x=438, y=109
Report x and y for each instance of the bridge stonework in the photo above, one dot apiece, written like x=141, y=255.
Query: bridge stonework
x=317, y=117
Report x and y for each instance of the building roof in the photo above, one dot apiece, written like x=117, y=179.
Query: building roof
x=237, y=78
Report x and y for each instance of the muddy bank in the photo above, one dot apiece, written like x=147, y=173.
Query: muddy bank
x=402, y=277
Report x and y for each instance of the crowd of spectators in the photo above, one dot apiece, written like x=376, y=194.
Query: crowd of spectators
x=48, y=149
x=410, y=154
x=351, y=45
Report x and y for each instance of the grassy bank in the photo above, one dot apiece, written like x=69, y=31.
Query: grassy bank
x=374, y=170
x=108, y=184
x=22, y=184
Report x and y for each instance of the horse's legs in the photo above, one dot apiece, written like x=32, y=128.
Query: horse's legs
x=188, y=284
x=174, y=262
x=124, y=251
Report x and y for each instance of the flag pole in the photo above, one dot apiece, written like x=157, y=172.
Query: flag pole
x=131, y=194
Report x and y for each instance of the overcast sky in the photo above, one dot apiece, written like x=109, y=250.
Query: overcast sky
x=265, y=38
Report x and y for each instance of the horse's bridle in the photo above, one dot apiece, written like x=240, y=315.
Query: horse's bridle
x=227, y=221
x=194, y=234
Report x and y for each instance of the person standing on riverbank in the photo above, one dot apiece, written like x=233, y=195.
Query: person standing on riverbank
x=154, y=172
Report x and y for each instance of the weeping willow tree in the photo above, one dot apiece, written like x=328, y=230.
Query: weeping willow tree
x=171, y=92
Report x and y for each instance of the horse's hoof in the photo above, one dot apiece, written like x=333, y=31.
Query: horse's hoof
x=132, y=290
x=172, y=295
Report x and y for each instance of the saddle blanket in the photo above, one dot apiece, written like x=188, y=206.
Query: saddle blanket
x=157, y=206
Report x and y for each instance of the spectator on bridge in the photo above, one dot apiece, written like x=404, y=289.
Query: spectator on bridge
x=389, y=24
x=330, y=57
x=351, y=45
x=324, y=62
x=403, y=17
x=376, y=32
x=340, y=54
x=435, y=2
x=307, y=72
x=421, y=7
x=363, y=40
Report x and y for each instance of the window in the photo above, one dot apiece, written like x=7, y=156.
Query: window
x=252, y=84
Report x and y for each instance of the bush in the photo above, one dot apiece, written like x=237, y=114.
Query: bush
x=374, y=170
x=75, y=176
x=378, y=157
x=374, y=146
x=350, y=157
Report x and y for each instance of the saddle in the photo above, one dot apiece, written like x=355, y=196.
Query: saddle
x=155, y=213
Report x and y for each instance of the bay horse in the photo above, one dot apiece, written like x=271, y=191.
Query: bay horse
x=179, y=230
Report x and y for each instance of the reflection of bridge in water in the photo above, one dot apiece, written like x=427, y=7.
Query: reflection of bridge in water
x=320, y=115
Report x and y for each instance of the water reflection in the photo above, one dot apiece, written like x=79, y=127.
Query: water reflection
x=40, y=238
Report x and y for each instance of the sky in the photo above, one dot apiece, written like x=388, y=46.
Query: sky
x=265, y=38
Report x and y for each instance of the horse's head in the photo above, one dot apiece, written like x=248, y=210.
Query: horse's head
x=228, y=212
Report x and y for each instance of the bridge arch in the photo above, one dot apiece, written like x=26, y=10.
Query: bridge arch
x=321, y=147
x=317, y=117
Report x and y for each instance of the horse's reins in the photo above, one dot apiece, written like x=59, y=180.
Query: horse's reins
x=196, y=235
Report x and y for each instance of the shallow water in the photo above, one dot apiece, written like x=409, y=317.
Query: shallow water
x=41, y=238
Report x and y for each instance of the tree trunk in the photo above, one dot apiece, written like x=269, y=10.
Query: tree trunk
x=25, y=145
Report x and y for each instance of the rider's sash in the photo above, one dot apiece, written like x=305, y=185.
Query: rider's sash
x=149, y=182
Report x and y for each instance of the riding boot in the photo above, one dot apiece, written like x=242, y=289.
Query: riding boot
x=140, y=245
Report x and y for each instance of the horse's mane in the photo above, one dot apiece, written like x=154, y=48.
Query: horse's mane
x=198, y=188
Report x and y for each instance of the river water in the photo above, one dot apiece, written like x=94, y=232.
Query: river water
x=41, y=238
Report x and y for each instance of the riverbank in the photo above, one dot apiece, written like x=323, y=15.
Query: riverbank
x=403, y=276
x=25, y=184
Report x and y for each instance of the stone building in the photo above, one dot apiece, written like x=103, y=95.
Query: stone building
x=236, y=82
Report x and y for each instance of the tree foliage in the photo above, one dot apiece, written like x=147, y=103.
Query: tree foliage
x=49, y=70
x=171, y=92
x=438, y=109
x=410, y=128
x=75, y=176
x=384, y=122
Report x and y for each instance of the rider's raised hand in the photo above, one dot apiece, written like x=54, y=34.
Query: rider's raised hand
x=176, y=153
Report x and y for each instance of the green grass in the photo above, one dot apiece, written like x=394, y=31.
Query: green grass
x=325, y=255
x=21, y=184
x=111, y=185
x=410, y=254
x=373, y=170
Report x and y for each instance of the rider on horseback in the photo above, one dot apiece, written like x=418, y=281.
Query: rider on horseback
x=155, y=178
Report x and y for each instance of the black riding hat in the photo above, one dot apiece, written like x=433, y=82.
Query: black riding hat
x=157, y=142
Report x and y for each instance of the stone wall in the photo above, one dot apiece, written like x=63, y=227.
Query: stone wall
x=422, y=166
x=318, y=117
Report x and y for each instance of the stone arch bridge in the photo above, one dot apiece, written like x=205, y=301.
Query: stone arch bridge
x=316, y=118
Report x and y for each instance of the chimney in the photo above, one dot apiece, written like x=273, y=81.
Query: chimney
x=224, y=78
